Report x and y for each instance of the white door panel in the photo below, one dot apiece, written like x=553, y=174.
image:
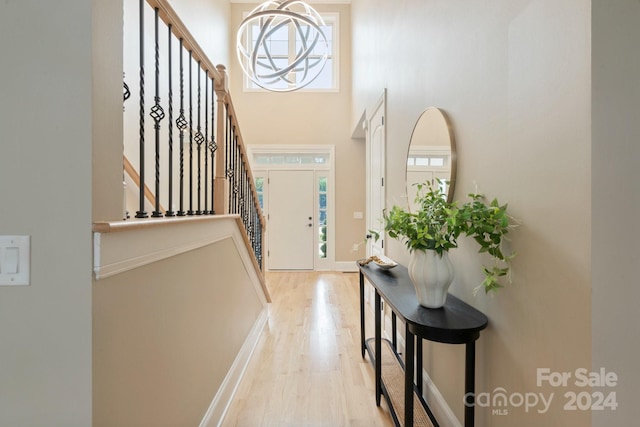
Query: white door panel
x=291, y=219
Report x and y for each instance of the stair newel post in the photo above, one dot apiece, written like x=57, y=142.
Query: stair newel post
x=221, y=182
x=141, y=213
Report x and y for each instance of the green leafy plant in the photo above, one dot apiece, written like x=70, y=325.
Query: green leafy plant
x=437, y=224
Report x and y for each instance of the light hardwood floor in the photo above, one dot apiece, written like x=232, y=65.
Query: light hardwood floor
x=307, y=369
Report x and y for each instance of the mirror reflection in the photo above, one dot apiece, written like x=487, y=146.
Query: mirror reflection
x=431, y=154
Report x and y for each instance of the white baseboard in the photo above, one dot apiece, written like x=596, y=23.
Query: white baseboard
x=346, y=266
x=220, y=404
x=441, y=410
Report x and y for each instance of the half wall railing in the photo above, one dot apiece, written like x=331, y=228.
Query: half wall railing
x=194, y=153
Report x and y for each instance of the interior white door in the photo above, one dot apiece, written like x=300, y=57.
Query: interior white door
x=291, y=219
x=376, y=144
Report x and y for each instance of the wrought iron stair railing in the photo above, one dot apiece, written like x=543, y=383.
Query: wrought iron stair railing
x=208, y=172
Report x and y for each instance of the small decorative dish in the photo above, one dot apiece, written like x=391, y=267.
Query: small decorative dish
x=384, y=263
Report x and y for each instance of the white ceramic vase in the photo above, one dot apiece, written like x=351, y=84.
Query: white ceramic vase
x=431, y=275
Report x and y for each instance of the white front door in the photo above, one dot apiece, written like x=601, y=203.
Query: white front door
x=291, y=220
x=376, y=165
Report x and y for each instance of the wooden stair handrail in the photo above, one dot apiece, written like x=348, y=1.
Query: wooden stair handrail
x=170, y=17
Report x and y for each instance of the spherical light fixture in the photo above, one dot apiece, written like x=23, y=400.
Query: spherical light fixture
x=264, y=47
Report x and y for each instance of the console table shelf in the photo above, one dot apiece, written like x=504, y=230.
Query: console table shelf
x=455, y=323
x=393, y=387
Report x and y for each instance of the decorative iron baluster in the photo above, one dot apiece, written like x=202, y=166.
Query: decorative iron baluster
x=206, y=139
x=181, y=124
x=199, y=140
x=234, y=167
x=190, y=212
x=258, y=247
x=245, y=194
x=126, y=93
x=141, y=212
x=239, y=183
x=157, y=114
x=212, y=145
x=170, y=212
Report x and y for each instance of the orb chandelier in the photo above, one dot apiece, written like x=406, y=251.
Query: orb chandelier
x=263, y=42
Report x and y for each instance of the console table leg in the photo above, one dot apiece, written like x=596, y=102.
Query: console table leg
x=419, y=364
x=362, y=346
x=408, y=378
x=394, y=336
x=378, y=352
x=470, y=384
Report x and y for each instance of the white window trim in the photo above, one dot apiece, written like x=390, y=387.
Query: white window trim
x=329, y=17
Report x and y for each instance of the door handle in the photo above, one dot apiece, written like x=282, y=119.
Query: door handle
x=368, y=236
x=310, y=225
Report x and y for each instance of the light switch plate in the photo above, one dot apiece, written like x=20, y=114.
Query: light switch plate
x=15, y=260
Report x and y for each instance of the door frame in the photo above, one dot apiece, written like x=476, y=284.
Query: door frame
x=324, y=169
x=373, y=217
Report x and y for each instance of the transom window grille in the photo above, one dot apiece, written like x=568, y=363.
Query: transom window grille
x=292, y=159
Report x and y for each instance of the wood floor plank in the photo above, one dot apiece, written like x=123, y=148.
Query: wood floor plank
x=307, y=369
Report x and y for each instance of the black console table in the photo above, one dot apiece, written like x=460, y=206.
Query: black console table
x=455, y=323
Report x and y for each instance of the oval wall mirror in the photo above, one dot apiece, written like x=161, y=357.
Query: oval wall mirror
x=432, y=154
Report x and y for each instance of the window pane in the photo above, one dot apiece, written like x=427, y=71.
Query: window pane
x=422, y=161
x=261, y=159
x=322, y=235
x=437, y=161
x=292, y=160
x=322, y=250
x=277, y=160
x=275, y=43
x=259, y=184
x=323, y=218
x=323, y=184
x=323, y=201
x=325, y=78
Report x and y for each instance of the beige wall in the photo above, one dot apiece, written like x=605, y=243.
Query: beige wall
x=208, y=22
x=514, y=78
x=166, y=334
x=45, y=190
x=616, y=202
x=311, y=118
